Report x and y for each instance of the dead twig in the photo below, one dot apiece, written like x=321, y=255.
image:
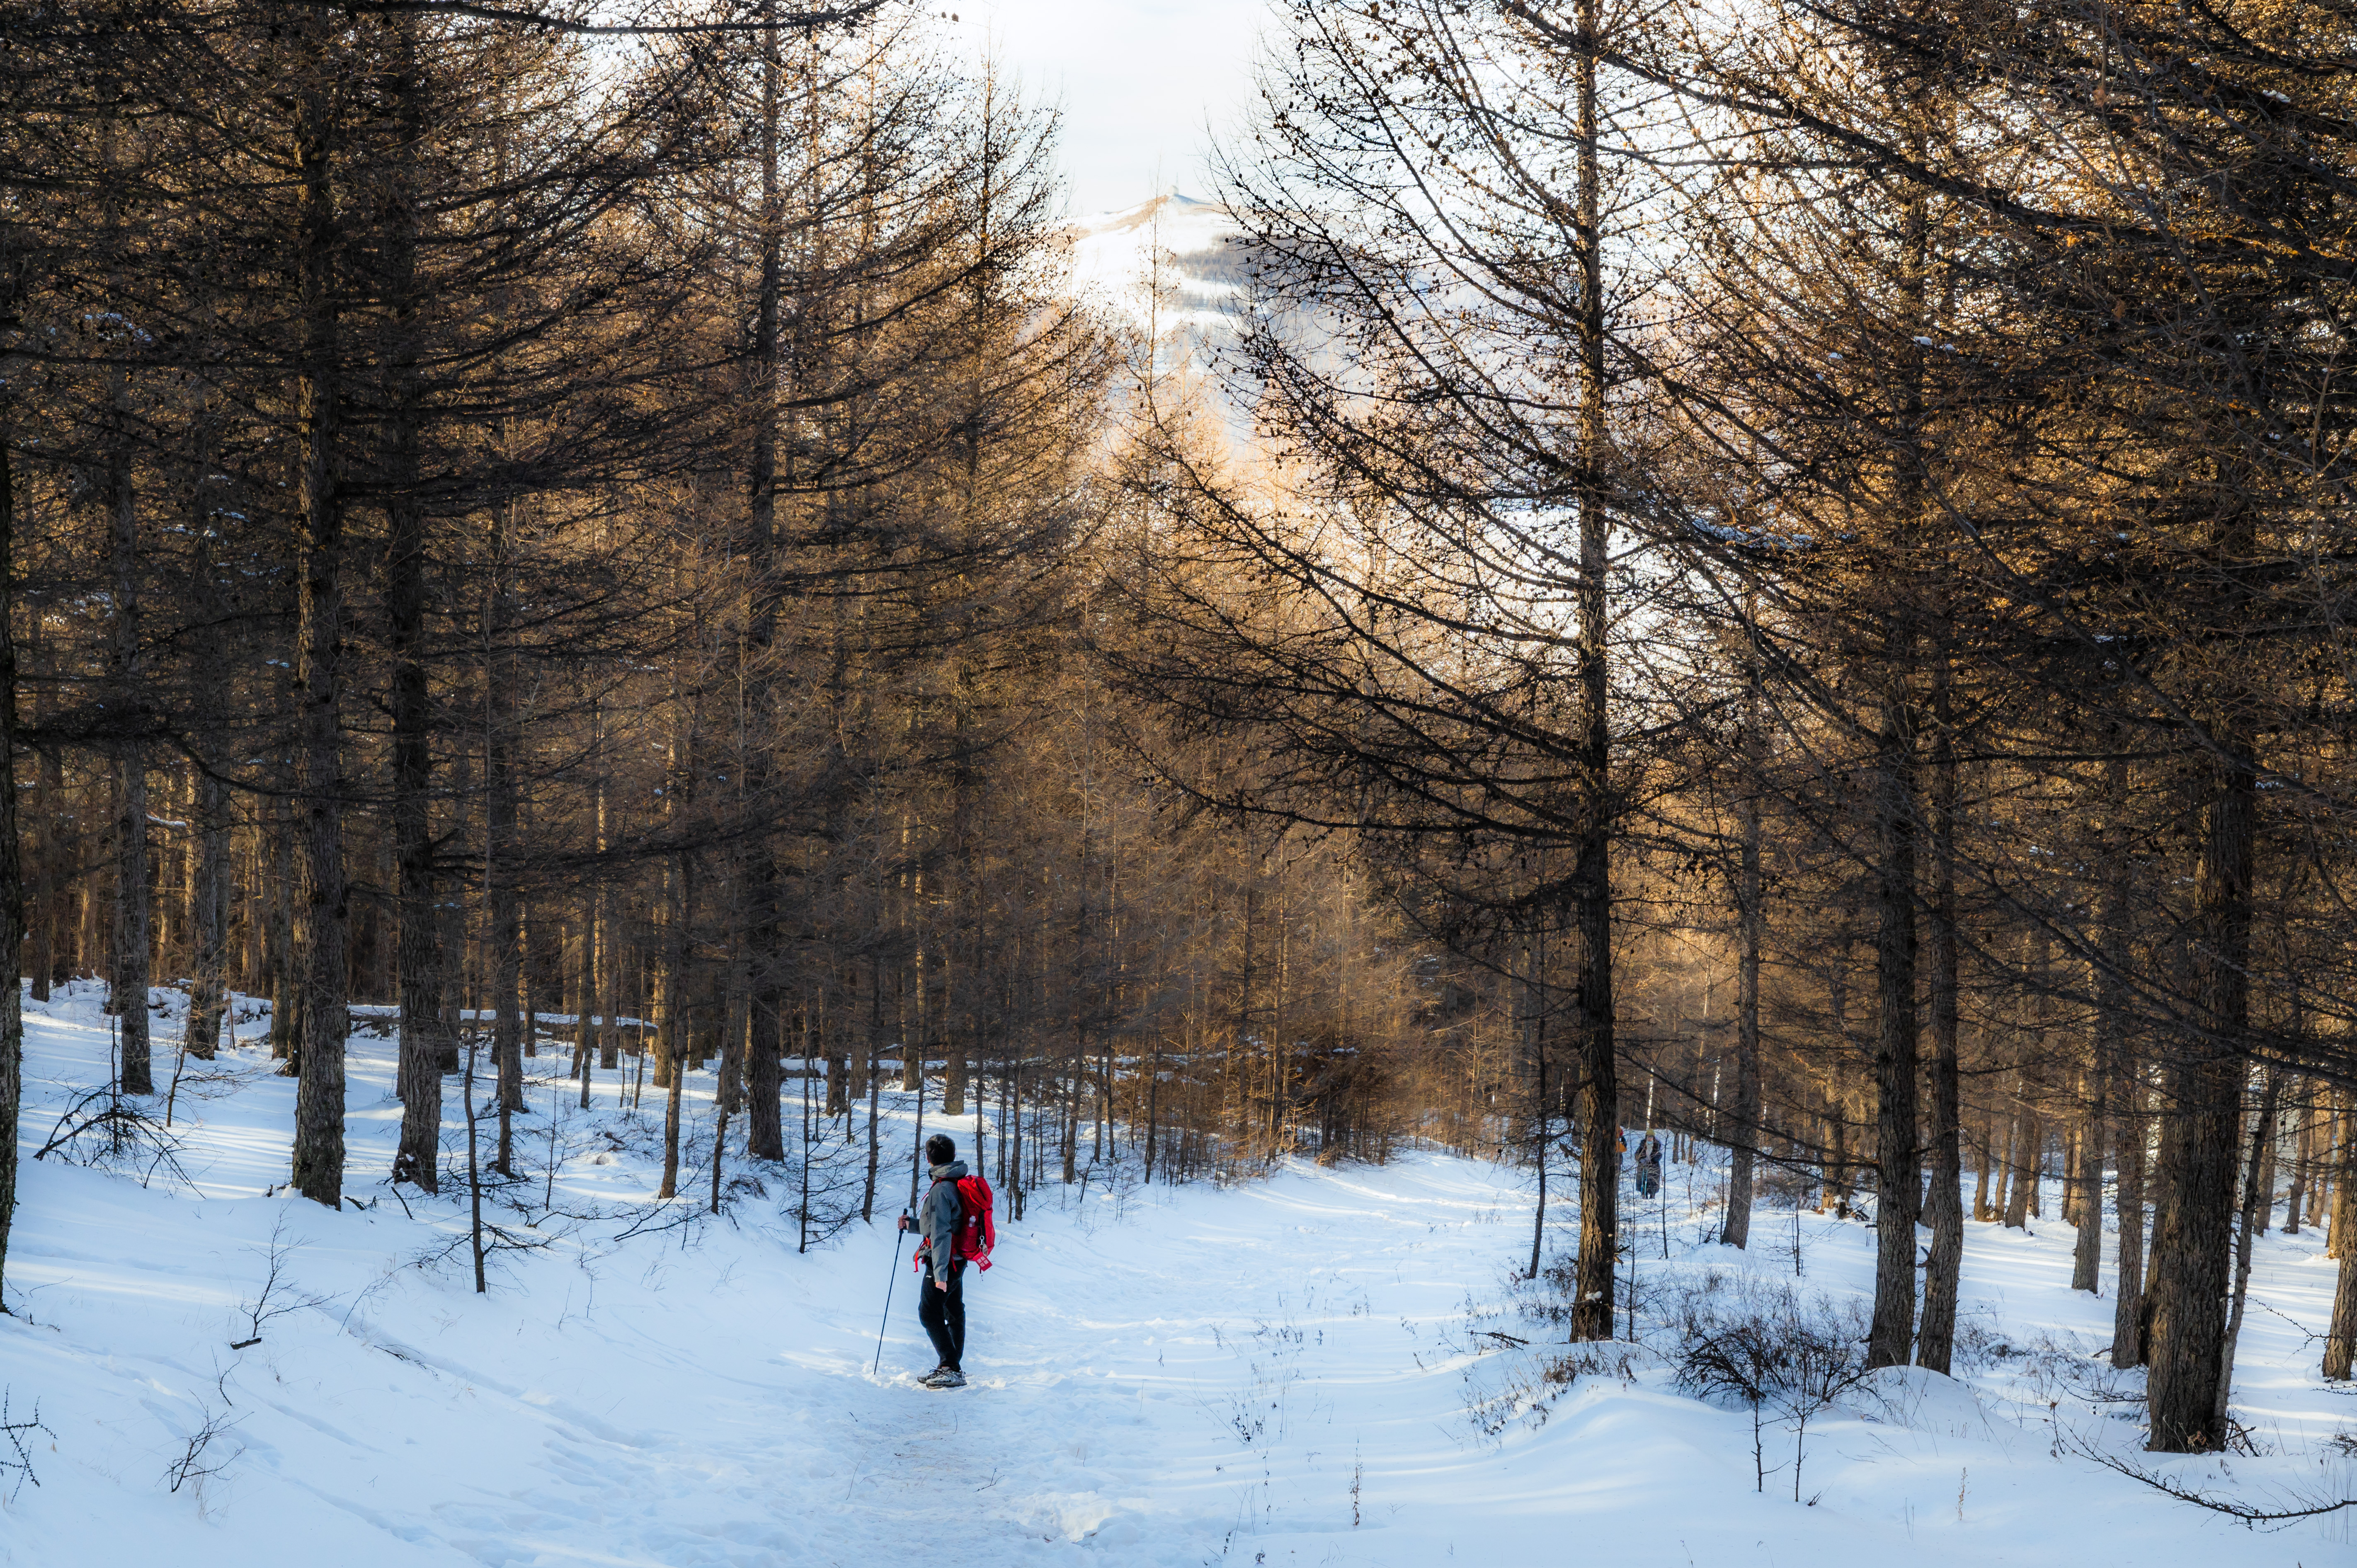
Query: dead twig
x=275, y=1299
x=2251, y=1516
x=20, y=1467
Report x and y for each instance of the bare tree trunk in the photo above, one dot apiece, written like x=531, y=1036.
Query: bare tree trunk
x=318, y=1161
x=209, y=979
x=2265, y=1217
x=584, y=982
x=765, y=1127
x=1599, y=1086
x=765, y=1131
x=2341, y=1336
x=675, y=1019
x=92, y=912
x=2127, y=1312
x=1751, y=918
x=1153, y=1106
x=41, y=894
x=2026, y=1155
x=208, y=799
x=1982, y=1210
x=729, y=1088
x=127, y=972
x=672, y=1105
x=1542, y=1123
x=2331, y=1176
x=2073, y=1136
x=875, y=1088
x=428, y=1050
x=2087, y=1177
x=1071, y=1146
x=502, y=848
x=1935, y=1337
x=1832, y=1196
x=48, y=787
x=860, y=1045
x=2254, y=1185
x=1896, y=1157
x=679, y=895
x=286, y=961
x=606, y=974
x=12, y=889
x=728, y=1047
x=2199, y=1146
x=952, y=1051
x=2002, y=1203
x=663, y=978
x=2303, y=1119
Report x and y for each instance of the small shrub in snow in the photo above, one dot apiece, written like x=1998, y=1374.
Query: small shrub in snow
x=1614, y=1358
x=1979, y=1346
x=1764, y=1348
x=205, y=1452
x=277, y=1297
x=1548, y=1299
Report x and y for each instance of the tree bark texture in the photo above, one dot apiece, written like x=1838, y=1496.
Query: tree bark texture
x=318, y=1161
x=1890, y=1334
x=2254, y=1179
x=2340, y=1335
x=2026, y=1156
x=208, y=962
x=1935, y=1335
x=2127, y=1310
x=127, y=968
x=12, y=888
x=427, y=1048
x=1599, y=1090
x=2202, y=1113
x=1751, y=921
x=2087, y=1179
x=765, y=1131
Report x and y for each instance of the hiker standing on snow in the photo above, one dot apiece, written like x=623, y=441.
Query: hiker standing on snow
x=1648, y=1166
x=953, y=1225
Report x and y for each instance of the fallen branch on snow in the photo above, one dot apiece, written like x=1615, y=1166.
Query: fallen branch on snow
x=2251, y=1516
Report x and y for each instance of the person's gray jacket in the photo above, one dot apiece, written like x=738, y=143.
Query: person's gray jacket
x=936, y=1220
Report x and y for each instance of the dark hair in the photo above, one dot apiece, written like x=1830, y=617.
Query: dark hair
x=940, y=1149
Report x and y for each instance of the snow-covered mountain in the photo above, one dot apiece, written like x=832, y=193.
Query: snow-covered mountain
x=1202, y=267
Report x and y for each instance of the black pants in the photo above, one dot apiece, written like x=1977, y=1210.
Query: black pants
x=942, y=1312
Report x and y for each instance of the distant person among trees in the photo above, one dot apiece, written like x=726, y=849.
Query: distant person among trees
x=1649, y=1165
x=953, y=1227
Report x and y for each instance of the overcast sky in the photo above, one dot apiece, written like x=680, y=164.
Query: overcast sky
x=1139, y=80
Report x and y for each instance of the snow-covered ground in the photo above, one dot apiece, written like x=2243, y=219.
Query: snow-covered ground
x=1285, y=1372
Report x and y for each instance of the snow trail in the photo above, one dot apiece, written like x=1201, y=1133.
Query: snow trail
x=1276, y=1373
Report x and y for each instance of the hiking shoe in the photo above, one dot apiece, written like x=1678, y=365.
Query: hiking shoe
x=947, y=1378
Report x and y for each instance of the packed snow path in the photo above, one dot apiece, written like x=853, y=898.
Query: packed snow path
x=1274, y=1373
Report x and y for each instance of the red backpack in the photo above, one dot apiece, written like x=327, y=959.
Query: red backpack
x=975, y=1234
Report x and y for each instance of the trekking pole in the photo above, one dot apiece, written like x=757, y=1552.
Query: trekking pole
x=888, y=1292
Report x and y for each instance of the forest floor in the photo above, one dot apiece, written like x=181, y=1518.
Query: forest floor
x=1318, y=1369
